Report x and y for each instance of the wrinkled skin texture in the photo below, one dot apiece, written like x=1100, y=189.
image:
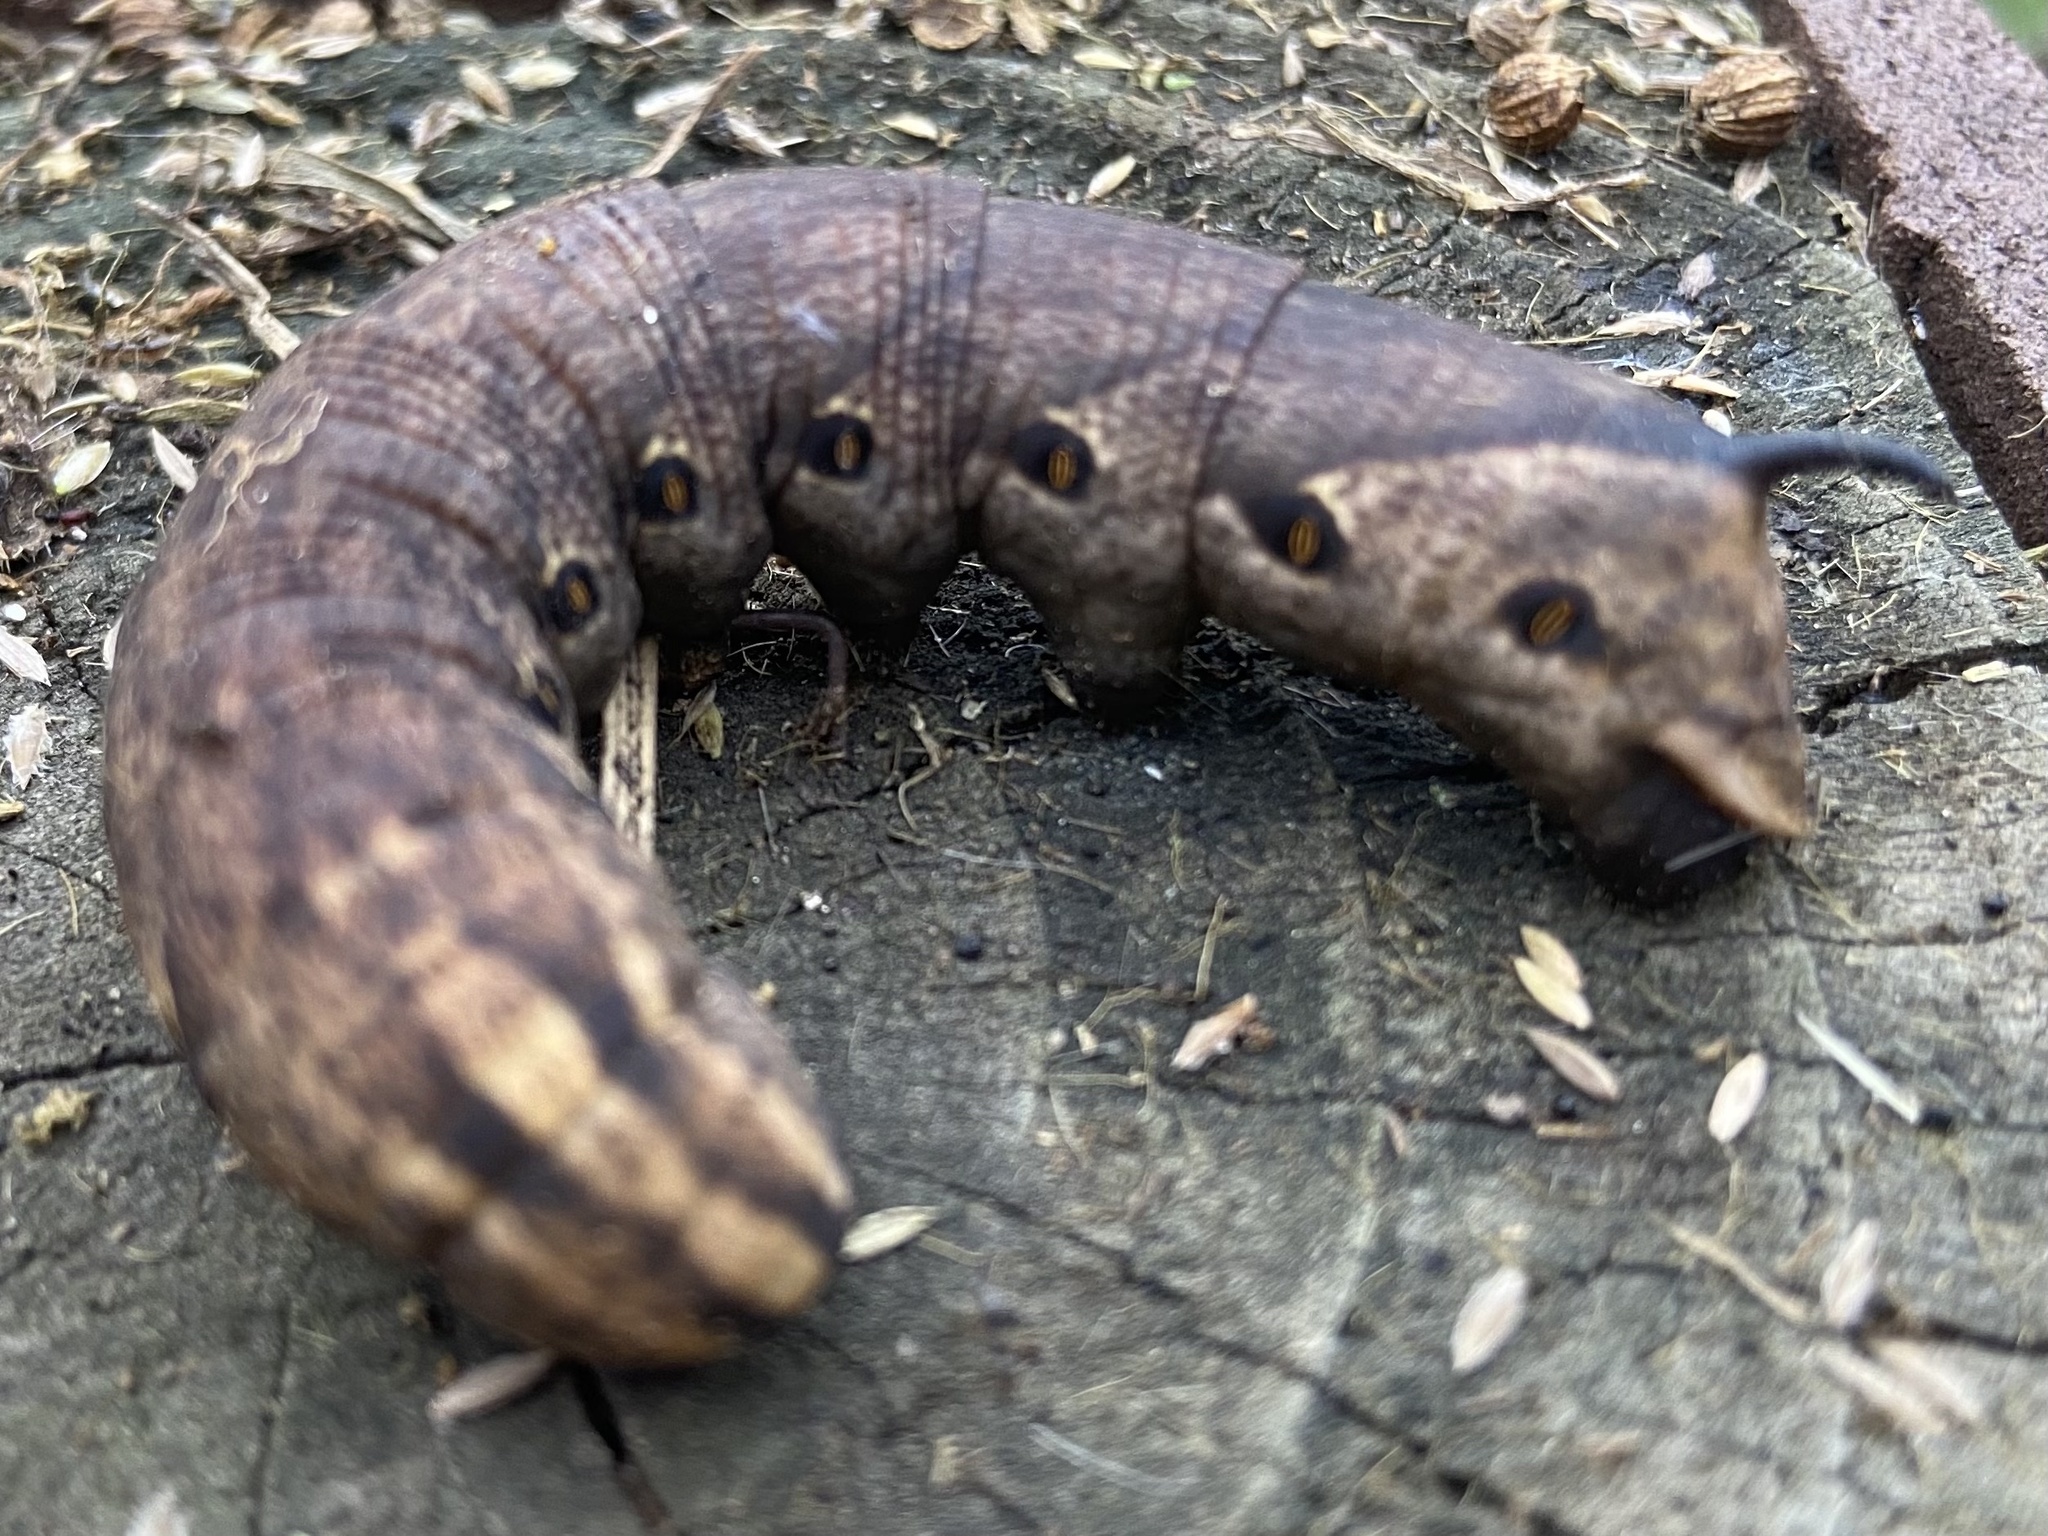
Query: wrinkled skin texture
x=432, y=992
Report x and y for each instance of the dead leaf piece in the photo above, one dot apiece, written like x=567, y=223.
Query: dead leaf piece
x=1849, y=1283
x=23, y=743
x=62, y=1109
x=1488, y=1319
x=1237, y=1026
x=1739, y=1097
x=1553, y=995
x=22, y=659
x=881, y=1232
x=488, y=1387
x=950, y=25
x=1576, y=1065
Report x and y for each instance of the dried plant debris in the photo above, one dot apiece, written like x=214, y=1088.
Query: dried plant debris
x=1923, y=1370
x=1745, y=1274
x=1500, y=29
x=1235, y=1027
x=885, y=1231
x=1887, y=1391
x=24, y=742
x=1109, y=178
x=1850, y=1282
x=497, y=1383
x=1492, y=1312
x=63, y=1109
x=1550, y=974
x=1903, y=1102
x=1739, y=1097
x=1535, y=100
x=23, y=659
x=1749, y=104
x=1576, y=1065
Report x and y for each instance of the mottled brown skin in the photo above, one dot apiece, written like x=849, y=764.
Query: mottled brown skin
x=444, y=1005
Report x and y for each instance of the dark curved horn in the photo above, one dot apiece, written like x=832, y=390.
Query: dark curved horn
x=1771, y=457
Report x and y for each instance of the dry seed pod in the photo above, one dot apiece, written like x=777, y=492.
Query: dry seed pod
x=1749, y=104
x=1500, y=29
x=1491, y=1314
x=1534, y=100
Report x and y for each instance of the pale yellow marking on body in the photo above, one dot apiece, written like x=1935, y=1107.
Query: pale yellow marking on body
x=640, y=1167
x=240, y=460
x=596, y=1289
x=418, y=1174
x=746, y=1251
x=539, y=1069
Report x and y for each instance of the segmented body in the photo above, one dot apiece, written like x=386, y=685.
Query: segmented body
x=427, y=986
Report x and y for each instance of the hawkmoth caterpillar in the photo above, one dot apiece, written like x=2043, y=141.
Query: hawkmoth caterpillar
x=444, y=1006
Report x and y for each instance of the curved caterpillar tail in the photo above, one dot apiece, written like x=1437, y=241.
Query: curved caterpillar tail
x=420, y=976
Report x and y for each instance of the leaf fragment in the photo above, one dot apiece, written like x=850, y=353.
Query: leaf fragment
x=1492, y=1312
x=1739, y=1097
x=1576, y=1065
x=885, y=1231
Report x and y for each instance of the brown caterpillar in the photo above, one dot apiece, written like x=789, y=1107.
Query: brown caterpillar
x=428, y=987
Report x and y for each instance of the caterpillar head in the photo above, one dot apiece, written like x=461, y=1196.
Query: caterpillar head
x=1607, y=624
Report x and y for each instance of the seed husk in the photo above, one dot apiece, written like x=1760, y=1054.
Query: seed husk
x=1749, y=104
x=1739, y=1097
x=1534, y=101
x=1576, y=1065
x=1488, y=1319
x=1500, y=29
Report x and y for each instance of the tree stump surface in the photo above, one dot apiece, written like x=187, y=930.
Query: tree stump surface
x=1150, y=1303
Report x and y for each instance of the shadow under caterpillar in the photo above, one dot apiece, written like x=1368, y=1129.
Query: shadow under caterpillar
x=414, y=968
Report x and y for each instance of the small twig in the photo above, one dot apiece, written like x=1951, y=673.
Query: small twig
x=686, y=125
x=1208, y=960
x=271, y=333
x=627, y=782
x=1722, y=1257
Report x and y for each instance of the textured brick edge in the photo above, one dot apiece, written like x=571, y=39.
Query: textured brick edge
x=1941, y=122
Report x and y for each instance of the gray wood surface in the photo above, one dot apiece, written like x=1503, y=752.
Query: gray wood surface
x=1155, y=1304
